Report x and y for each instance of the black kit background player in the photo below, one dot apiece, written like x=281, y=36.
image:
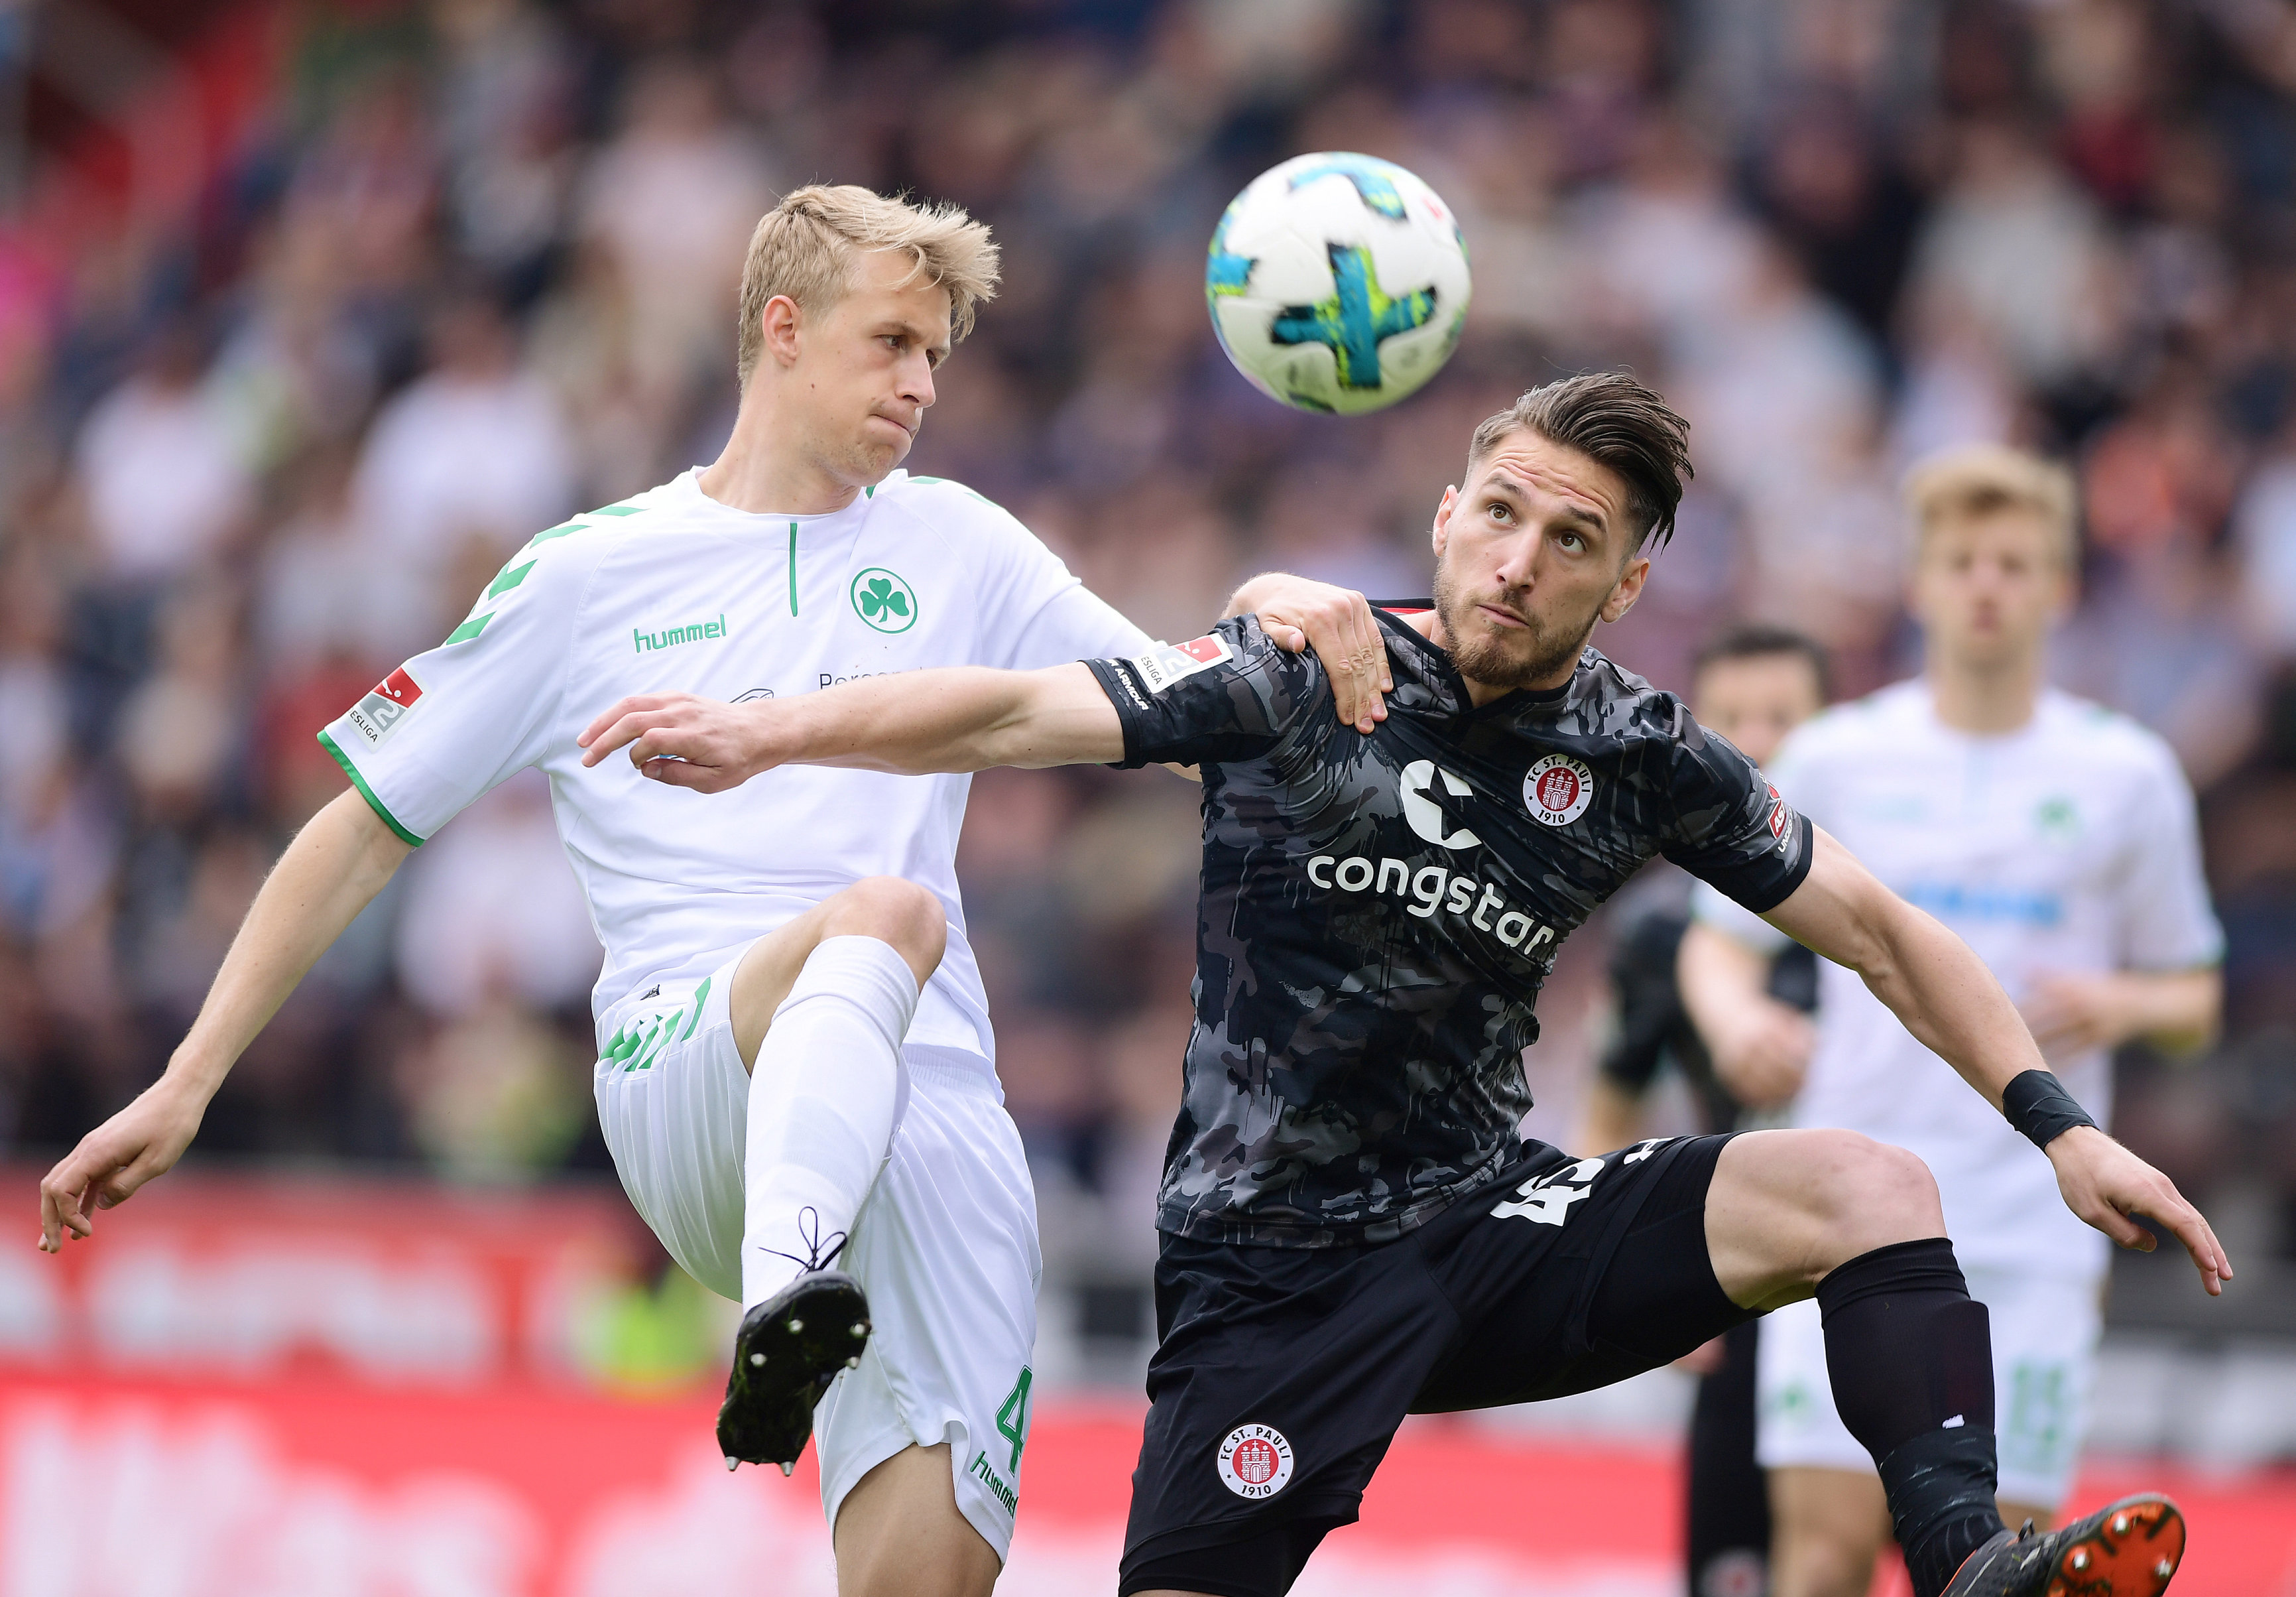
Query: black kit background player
x=1353, y=1229
x=1753, y=682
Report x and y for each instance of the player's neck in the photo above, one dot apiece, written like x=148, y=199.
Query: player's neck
x=1985, y=699
x=763, y=469
x=1429, y=624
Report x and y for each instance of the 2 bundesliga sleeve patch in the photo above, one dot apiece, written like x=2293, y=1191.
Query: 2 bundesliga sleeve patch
x=1171, y=662
x=379, y=714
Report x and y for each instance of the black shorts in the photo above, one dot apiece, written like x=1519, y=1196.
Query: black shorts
x=1282, y=1374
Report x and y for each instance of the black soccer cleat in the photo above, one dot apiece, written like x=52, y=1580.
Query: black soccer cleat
x=2128, y=1549
x=789, y=1349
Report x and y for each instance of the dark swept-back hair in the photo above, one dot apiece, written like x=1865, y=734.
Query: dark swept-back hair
x=1755, y=640
x=1616, y=422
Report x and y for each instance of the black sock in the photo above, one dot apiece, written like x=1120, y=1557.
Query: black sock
x=1911, y=1358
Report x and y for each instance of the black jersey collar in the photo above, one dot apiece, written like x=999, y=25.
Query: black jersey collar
x=1435, y=663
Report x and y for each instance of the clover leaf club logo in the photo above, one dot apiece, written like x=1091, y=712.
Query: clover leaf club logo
x=883, y=600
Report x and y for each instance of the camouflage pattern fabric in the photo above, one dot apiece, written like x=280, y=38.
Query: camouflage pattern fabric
x=1378, y=913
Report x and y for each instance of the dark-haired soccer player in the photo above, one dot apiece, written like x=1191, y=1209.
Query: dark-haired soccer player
x=1354, y=1229
x=1753, y=683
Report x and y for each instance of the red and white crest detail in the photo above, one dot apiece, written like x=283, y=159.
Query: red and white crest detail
x=376, y=717
x=1557, y=789
x=1171, y=662
x=1255, y=1461
x=1777, y=814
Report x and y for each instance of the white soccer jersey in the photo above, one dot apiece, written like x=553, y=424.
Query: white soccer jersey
x=2069, y=845
x=673, y=590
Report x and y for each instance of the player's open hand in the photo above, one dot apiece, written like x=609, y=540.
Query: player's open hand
x=2105, y=1184
x=143, y=1140
x=684, y=740
x=1337, y=622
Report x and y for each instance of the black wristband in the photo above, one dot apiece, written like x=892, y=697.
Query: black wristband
x=2037, y=1105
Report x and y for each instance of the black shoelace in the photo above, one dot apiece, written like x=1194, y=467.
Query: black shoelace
x=808, y=1226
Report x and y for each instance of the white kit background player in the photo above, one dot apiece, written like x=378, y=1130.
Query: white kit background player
x=2059, y=840
x=807, y=929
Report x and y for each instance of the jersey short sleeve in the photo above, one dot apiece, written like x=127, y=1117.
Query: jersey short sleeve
x=2166, y=922
x=1035, y=612
x=1732, y=831
x=452, y=723
x=1230, y=694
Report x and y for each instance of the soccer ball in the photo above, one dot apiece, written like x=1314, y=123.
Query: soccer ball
x=1338, y=283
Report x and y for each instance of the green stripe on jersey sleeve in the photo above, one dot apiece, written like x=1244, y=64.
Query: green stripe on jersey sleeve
x=367, y=792
x=511, y=576
x=468, y=630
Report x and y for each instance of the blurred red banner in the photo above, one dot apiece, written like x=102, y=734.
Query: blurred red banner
x=265, y=1386
x=399, y=1283
x=110, y=1487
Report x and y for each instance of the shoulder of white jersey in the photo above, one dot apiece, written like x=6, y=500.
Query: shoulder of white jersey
x=2098, y=736
x=946, y=506
x=1854, y=726
x=565, y=553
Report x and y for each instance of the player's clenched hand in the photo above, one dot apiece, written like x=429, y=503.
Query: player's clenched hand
x=1337, y=624
x=143, y=1140
x=1761, y=1051
x=687, y=741
x=2105, y=1184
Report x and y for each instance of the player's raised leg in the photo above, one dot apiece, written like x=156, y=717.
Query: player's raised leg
x=1910, y=1360
x=818, y=1011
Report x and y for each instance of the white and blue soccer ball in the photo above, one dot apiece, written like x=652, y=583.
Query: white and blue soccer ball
x=1338, y=283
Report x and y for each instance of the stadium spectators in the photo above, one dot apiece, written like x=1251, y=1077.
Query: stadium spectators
x=475, y=267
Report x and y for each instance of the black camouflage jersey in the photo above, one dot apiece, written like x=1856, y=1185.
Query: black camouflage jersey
x=1379, y=912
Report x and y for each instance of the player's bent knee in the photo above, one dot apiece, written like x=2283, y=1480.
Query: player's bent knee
x=900, y=913
x=1875, y=1194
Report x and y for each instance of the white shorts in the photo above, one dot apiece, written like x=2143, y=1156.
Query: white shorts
x=2045, y=1336
x=944, y=1245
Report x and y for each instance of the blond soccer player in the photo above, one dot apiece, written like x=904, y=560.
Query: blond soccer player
x=796, y=1069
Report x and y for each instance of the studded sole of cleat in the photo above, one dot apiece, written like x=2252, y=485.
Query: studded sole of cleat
x=787, y=1352
x=2134, y=1552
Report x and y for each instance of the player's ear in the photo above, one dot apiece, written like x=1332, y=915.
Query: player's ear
x=778, y=325
x=1441, y=530
x=1627, y=589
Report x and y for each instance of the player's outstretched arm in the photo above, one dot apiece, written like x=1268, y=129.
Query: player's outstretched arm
x=335, y=866
x=1946, y=998
x=957, y=718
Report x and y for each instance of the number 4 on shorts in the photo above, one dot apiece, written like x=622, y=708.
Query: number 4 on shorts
x=1012, y=1419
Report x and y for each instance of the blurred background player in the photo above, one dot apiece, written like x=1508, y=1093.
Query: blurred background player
x=1753, y=683
x=2059, y=840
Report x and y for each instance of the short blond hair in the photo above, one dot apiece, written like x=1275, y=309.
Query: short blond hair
x=805, y=247
x=1981, y=480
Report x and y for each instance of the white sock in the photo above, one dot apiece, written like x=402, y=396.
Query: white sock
x=822, y=1103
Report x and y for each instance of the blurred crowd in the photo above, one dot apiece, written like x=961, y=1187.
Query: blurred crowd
x=475, y=268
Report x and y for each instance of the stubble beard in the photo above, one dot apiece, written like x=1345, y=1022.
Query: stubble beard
x=1481, y=657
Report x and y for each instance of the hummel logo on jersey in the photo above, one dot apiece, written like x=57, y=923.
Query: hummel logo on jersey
x=377, y=716
x=671, y=636
x=1425, y=813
